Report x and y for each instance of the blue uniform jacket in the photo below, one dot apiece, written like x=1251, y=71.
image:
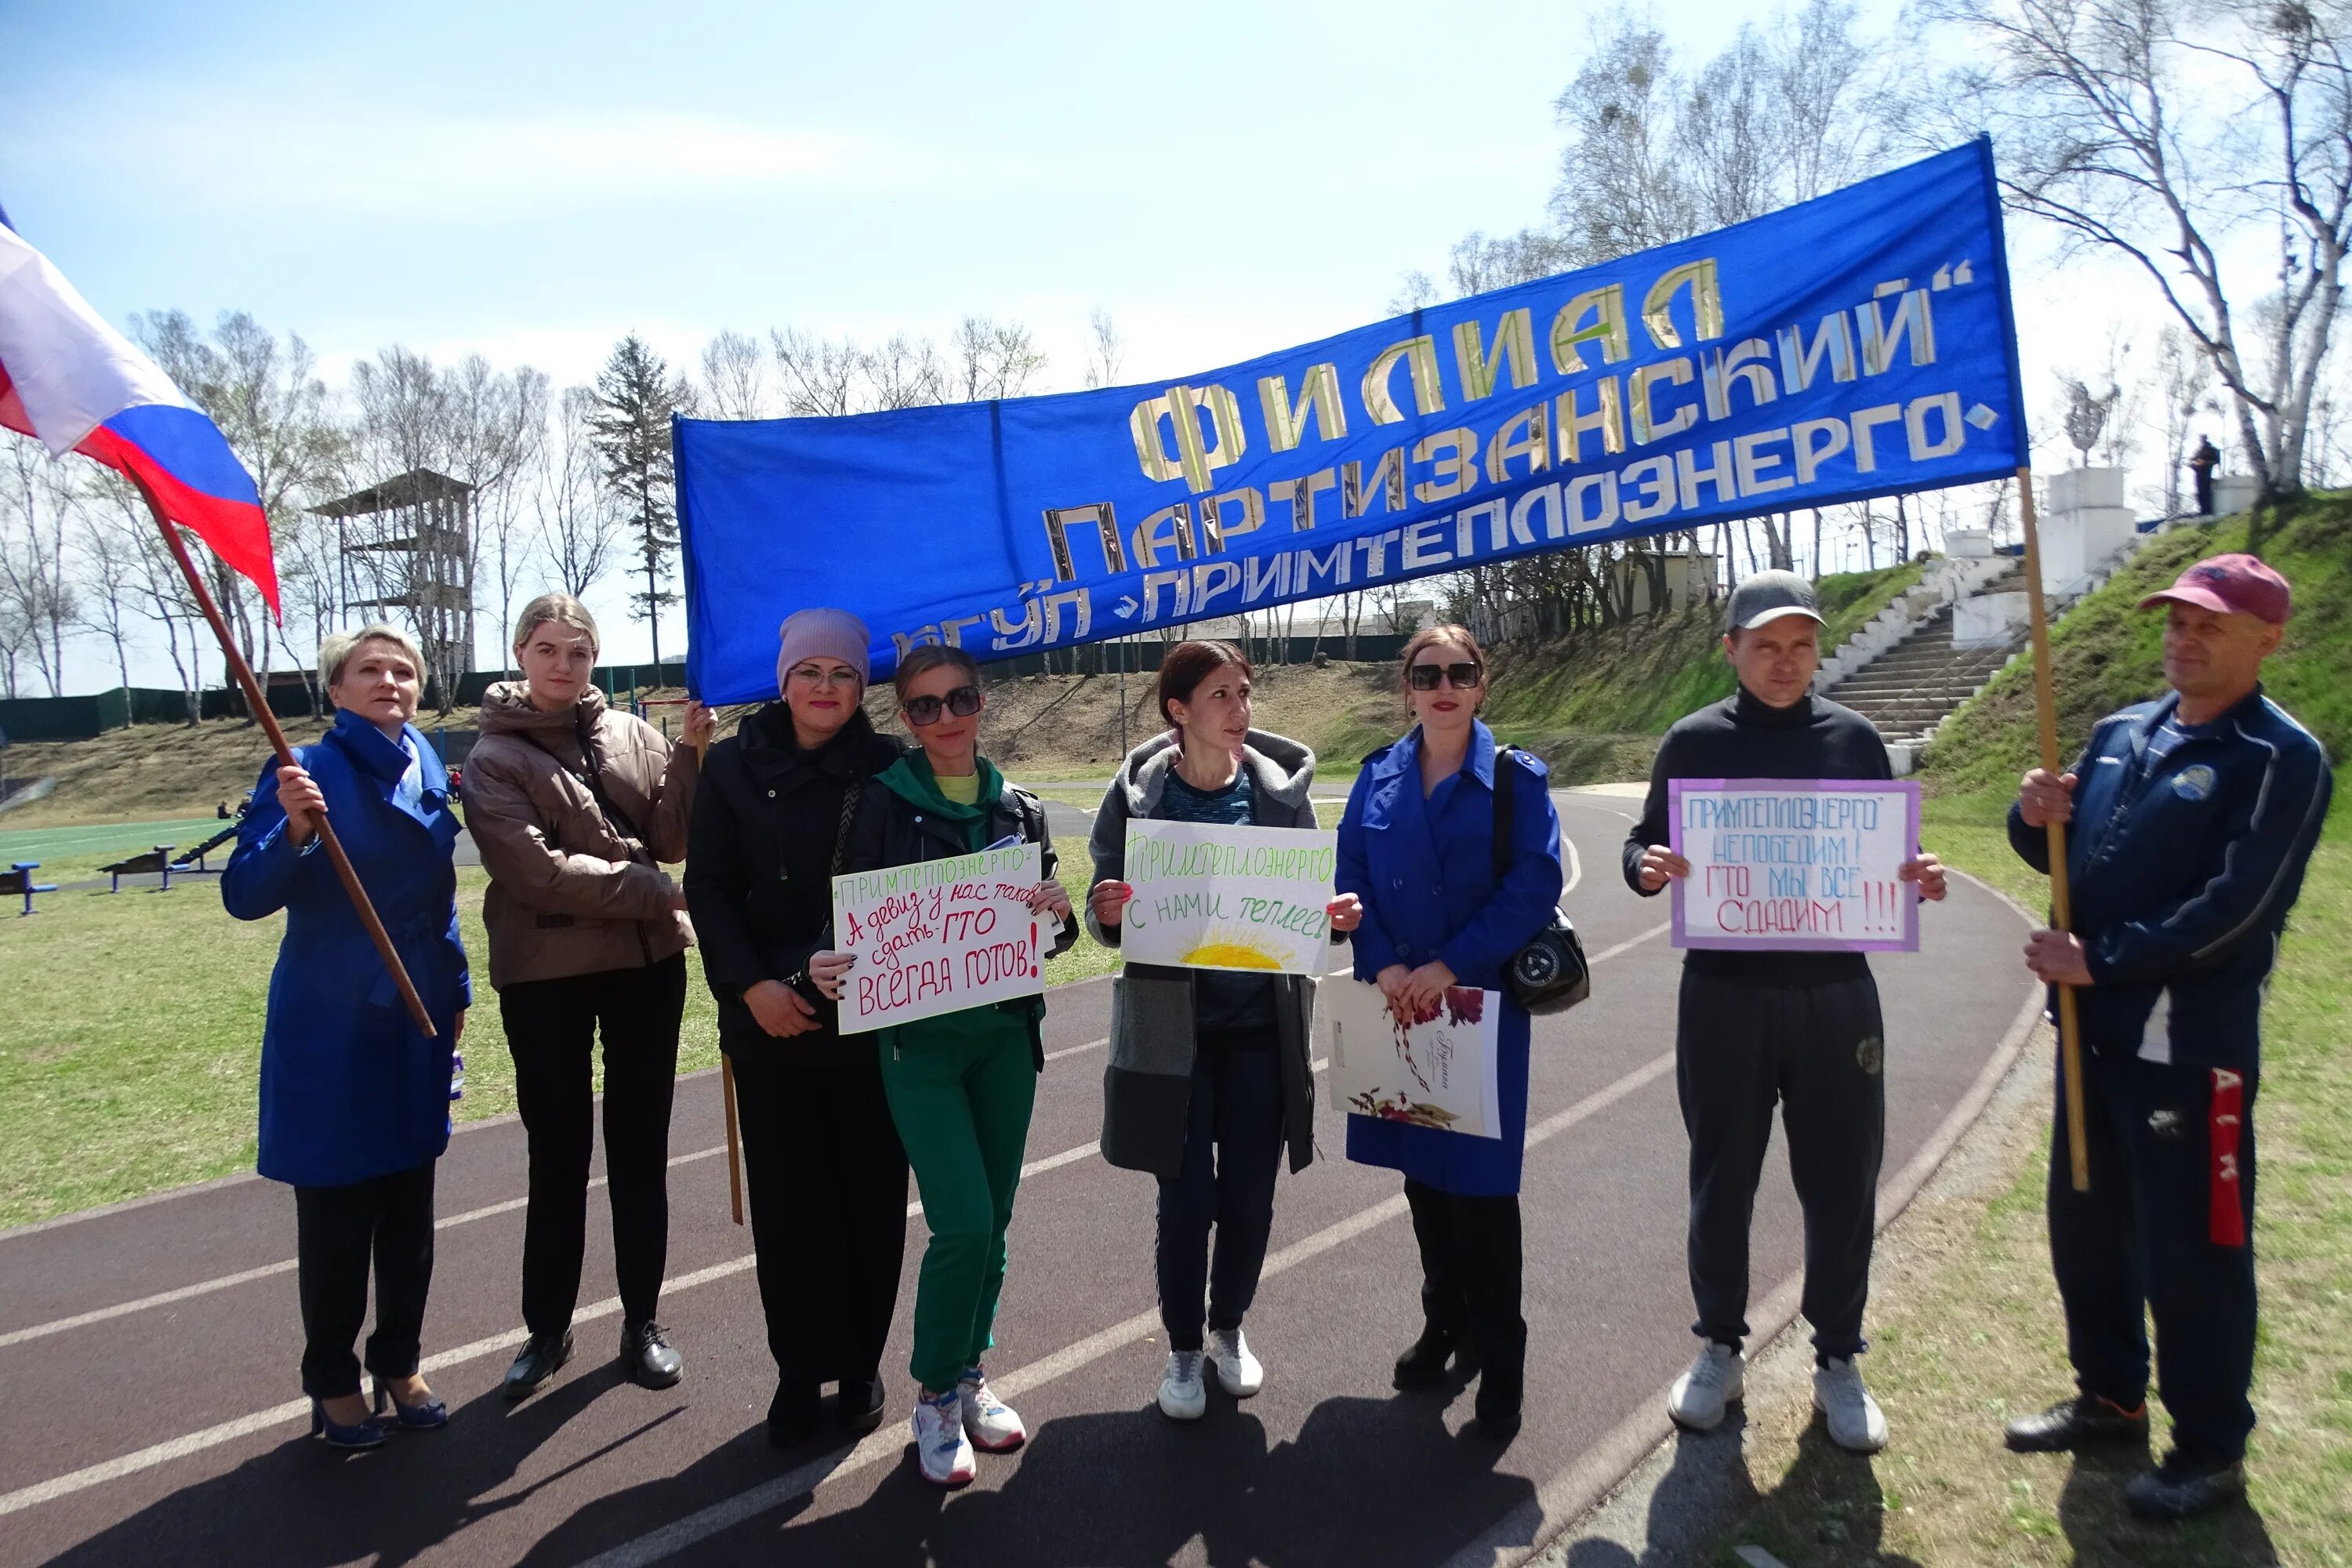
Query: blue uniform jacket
x=1425, y=871
x=349, y=1089
x=2182, y=875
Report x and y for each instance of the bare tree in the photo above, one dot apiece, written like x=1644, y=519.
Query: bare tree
x=991, y=359
x=735, y=377
x=2103, y=135
x=266, y=396
x=579, y=523
x=820, y=375
x=1105, y=349
x=36, y=575
x=497, y=425
x=110, y=569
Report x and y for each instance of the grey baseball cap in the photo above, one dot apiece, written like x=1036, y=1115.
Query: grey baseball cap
x=1767, y=597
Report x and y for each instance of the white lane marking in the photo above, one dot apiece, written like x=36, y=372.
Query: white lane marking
x=296, y=1409
x=268, y=1271
x=886, y=1447
x=1060, y=1363
x=490, y=1211
x=1575, y=865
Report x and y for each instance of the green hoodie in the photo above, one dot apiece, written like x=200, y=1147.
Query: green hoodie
x=911, y=780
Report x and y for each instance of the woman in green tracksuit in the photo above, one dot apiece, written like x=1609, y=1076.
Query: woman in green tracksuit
x=960, y=1085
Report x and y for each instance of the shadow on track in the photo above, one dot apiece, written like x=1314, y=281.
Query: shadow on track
x=1367, y=1480
x=302, y=1505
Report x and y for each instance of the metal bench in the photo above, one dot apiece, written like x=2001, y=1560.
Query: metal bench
x=19, y=878
x=156, y=859
x=194, y=860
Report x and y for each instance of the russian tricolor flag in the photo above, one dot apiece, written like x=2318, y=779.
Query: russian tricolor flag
x=75, y=384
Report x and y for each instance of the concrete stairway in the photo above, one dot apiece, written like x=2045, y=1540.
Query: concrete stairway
x=1909, y=689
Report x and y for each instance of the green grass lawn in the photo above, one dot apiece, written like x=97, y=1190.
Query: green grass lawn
x=1968, y=1332
x=131, y=1051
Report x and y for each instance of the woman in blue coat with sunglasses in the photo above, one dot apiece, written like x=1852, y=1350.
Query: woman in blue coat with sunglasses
x=1417, y=850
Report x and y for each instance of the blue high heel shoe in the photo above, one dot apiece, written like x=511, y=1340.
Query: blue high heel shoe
x=362, y=1435
x=411, y=1417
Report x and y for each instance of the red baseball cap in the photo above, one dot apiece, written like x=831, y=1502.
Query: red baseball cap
x=2232, y=584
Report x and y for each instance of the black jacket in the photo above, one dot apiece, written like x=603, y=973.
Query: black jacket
x=759, y=858
x=1743, y=737
x=2183, y=861
x=891, y=830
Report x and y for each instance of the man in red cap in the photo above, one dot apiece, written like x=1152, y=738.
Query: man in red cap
x=2193, y=816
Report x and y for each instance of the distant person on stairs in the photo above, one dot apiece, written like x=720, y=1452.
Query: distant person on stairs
x=1800, y=1030
x=2193, y=817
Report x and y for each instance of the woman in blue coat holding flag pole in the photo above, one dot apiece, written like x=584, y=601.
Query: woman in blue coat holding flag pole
x=354, y=1099
x=1417, y=849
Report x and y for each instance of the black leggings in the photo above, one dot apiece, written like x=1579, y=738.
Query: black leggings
x=552, y=1028
x=337, y=1231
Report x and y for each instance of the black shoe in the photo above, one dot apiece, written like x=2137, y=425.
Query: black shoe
x=860, y=1407
x=538, y=1361
x=645, y=1349
x=794, y=1415
x=1499, y=1394
x=1423, y=1365
x=2182, y=1489
x=2080, y=1422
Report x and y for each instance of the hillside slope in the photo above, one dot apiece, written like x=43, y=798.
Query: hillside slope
x=2106, y=654
x=1591, y=706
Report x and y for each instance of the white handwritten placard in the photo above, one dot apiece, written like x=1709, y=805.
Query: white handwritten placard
x=1211, y=896
x=1804, y=865
x=938, y=936
x=1435, y=1069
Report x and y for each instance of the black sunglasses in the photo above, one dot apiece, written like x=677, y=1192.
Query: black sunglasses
x=1423, y=676
x=963, y=702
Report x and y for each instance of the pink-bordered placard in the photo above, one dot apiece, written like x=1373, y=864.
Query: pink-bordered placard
x=1879, y=914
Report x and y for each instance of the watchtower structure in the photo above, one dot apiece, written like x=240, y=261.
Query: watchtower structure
x=407, y=545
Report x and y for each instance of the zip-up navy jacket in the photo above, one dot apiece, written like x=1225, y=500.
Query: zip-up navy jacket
x=2184, y=856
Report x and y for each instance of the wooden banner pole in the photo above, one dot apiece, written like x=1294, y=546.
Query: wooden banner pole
x=727, y=1087
x=2045, y=704
x=259, y=705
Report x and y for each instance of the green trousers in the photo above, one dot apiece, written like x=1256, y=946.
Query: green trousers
x=960, y=1091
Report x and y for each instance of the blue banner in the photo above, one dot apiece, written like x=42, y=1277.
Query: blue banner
x=1854, y=345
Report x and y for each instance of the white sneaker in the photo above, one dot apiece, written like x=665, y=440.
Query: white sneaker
x=941, y=1447
x=1717, y=1378
x=1855, y=1421
x=1182, y=1396
x=1239, y=1373
x=988, y=1421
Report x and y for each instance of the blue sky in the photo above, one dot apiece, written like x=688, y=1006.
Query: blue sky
x=532, y=180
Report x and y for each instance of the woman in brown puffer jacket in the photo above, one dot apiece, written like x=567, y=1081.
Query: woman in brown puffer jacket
x=573, y=806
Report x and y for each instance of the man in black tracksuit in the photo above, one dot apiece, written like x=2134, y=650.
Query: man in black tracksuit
x=1757, y=1029
x=2194, y=815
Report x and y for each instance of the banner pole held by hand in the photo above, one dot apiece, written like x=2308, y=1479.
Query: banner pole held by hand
x=727, y=1080
x=2045, y=705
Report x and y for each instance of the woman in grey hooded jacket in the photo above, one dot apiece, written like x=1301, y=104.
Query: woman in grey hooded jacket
x=1209, y=1078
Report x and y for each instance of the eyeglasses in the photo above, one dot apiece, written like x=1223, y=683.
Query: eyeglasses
x=923, y=711
x=810, y=675
x=1423, y=676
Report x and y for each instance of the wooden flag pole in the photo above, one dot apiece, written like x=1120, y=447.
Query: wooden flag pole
x=727, y=1086
x=259, y=705
x=2045, y=704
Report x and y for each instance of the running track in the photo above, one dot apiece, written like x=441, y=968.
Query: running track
x=148, y=1410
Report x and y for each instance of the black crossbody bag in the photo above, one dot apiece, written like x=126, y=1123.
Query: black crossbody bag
x=1549, y=974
